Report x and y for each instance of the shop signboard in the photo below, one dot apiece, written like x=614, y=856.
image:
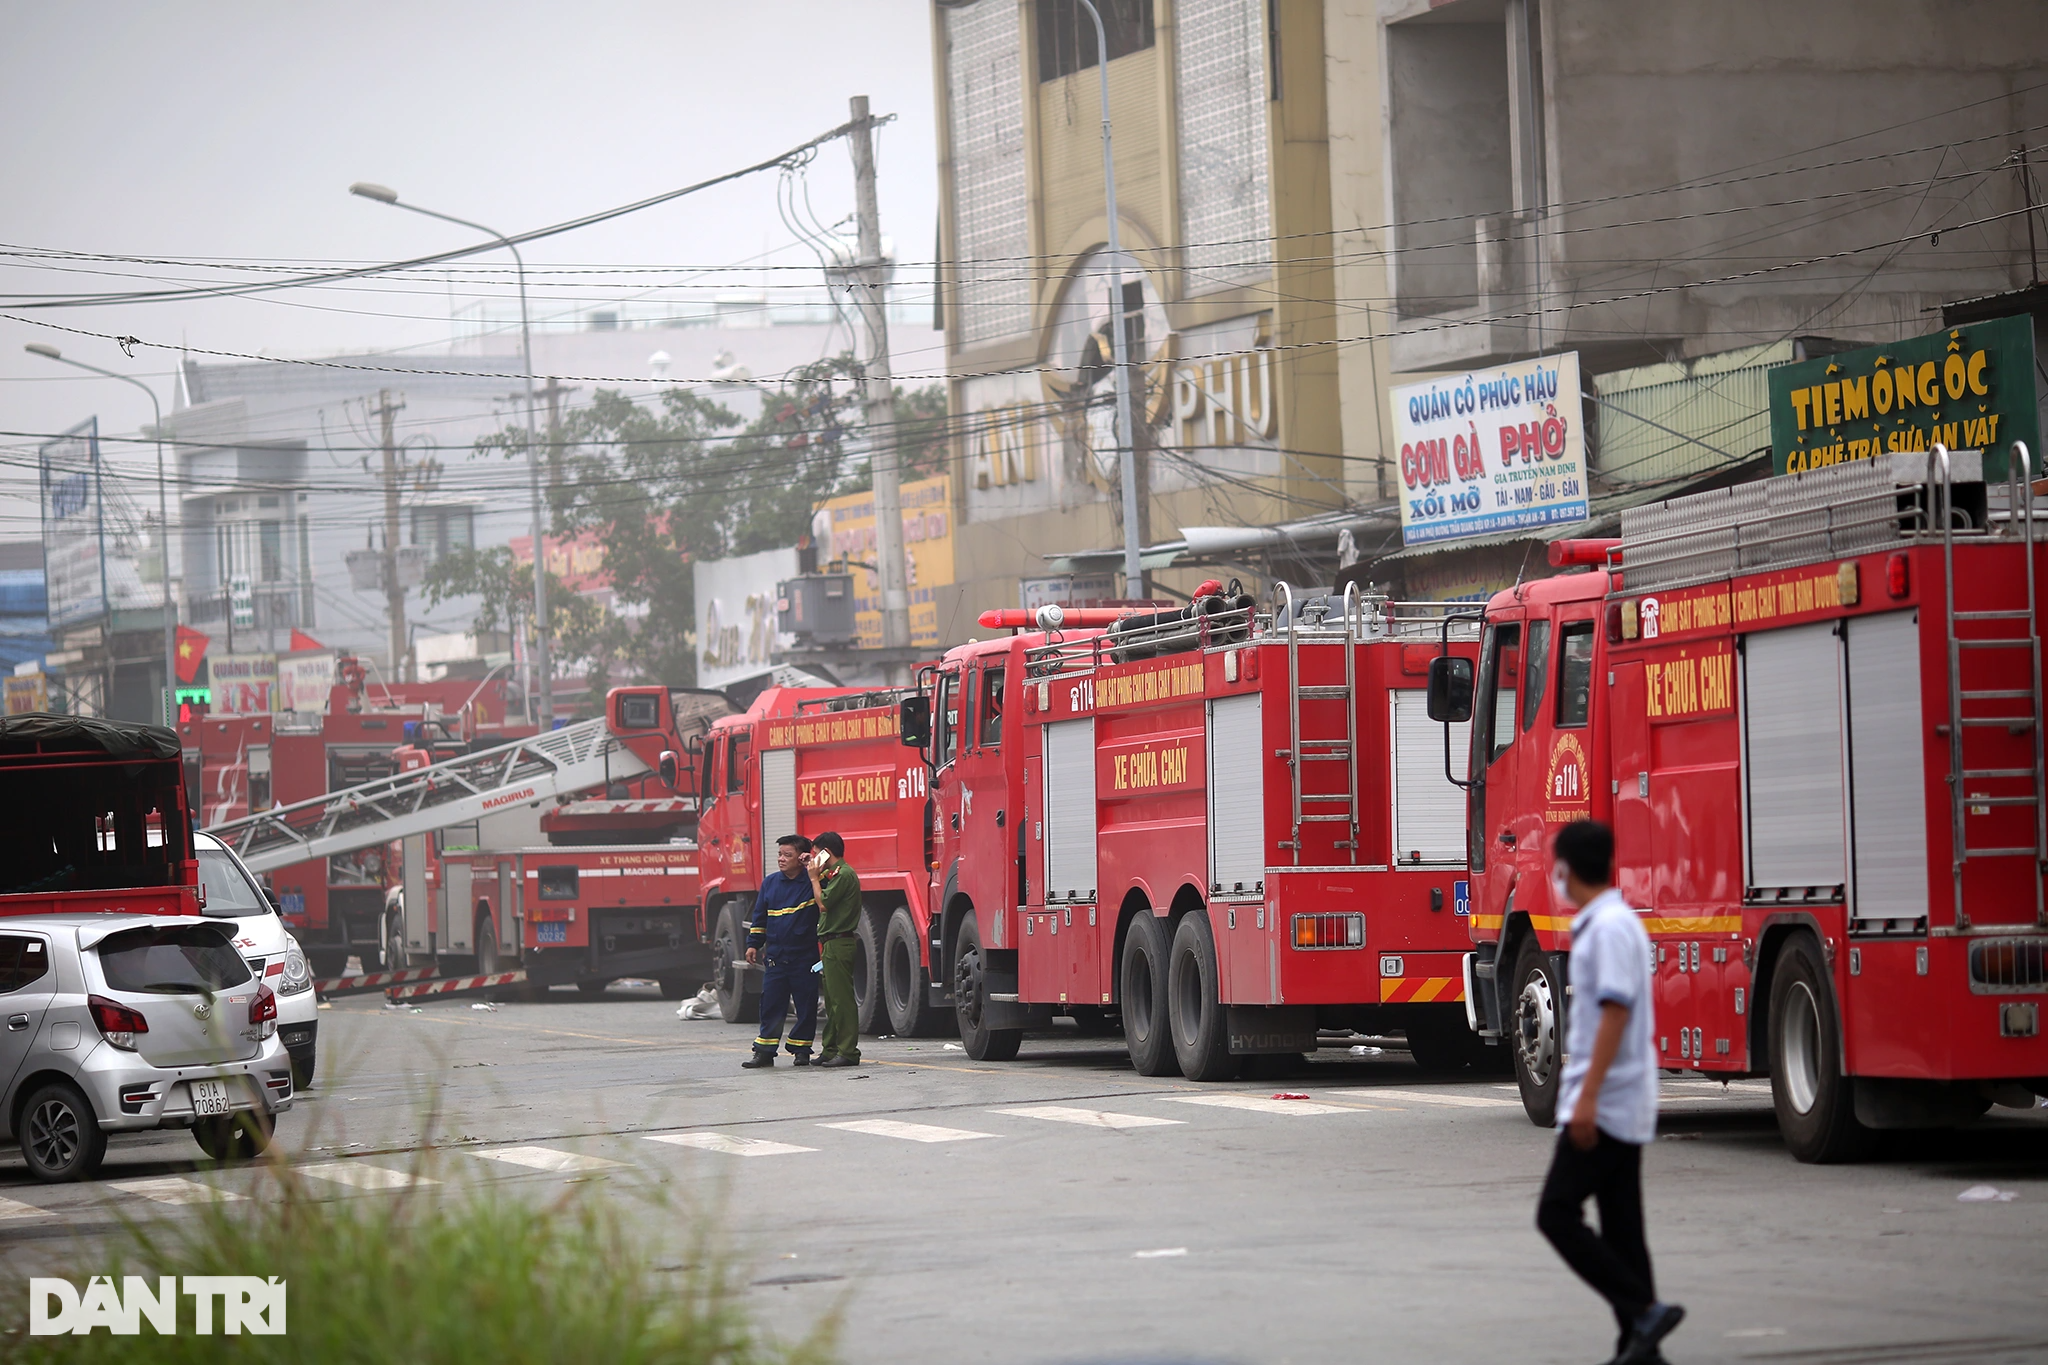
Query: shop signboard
x=1967, y=388
x=1495, y=450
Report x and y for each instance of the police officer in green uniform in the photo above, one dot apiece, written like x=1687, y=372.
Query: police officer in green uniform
x=837, y=889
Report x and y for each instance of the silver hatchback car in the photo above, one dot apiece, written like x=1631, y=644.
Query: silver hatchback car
x=118, y=1023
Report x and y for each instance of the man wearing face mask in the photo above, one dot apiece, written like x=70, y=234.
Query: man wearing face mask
x=1607, y=1097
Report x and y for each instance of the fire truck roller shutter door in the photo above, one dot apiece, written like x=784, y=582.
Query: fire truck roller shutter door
x=1070, y=810
x=419, y=945
x=1429, y=813
x=1792, y=719
x=458, y=907
x=778, y=797
x=1887, y=769
x=1237, y=796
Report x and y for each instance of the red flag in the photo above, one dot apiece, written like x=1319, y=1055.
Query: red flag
x=191, y=650
x=300, y=640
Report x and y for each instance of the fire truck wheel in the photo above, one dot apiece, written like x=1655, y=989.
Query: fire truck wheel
x=1142, y=975
x=1094, y=1021
x=905, y=987
x=1440, y=1041
x=1538, y=1028
x=486, y=941
x=396, y=958
x=739, y=997
x=1195, y=1016
x=970, y=992
x=674, y=987
x=591, y=989
x=1816, y=1106
x=327, y=962
x=867, y=974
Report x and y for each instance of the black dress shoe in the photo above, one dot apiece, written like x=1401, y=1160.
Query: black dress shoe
x=799, y=1059
x=840, y=1061
x=759, y=1059
x=1656, y=1323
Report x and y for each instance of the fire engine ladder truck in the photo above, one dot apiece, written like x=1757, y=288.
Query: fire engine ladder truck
x=1321, y=747
x=455, y=791
x=2006, y=629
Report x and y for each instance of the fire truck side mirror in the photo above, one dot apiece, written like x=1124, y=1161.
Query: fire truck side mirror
x=1450, y=689
x=668, y=766
x=914, y=722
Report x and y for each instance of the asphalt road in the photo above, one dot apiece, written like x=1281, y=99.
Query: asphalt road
x=1060, y=1208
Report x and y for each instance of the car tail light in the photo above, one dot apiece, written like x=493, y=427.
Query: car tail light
x=117, y=1023
x=1898, y=575
x=1329, y=931
x=263, y=1011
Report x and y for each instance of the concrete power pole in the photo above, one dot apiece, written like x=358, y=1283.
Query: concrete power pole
x=880, y=402
x=394, y=590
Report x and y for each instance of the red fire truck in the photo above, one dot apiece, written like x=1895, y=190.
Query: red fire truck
x=1232, y=833
x=248, y=763
x=802, y=761
x=626, y=907
x=1811, y=708
x=607, y=888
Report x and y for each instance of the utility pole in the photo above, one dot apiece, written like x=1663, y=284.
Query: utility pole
x=553, y=394
x=879, y=394
x=394, y=591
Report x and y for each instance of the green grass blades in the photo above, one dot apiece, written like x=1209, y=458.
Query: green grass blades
x=432, y=1275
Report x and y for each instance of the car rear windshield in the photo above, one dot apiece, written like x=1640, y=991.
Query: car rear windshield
x=174, y=960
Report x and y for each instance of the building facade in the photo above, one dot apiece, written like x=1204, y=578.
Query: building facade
x=1220, y=130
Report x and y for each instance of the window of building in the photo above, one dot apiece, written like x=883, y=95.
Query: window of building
x=444, y=530
x=269, y=551
x=1066, y=35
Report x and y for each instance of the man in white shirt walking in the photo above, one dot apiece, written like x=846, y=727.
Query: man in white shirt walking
x=1607, y=1097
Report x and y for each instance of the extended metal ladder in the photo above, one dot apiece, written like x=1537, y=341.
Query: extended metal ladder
x=2023, y=633
x=571, y=759
x=1304, y=749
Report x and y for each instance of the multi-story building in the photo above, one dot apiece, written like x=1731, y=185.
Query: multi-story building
x=1220, y=131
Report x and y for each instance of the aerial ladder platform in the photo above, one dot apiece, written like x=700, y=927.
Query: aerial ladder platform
x=455, y=791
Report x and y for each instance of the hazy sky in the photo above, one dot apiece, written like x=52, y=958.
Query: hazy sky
x=234, y=130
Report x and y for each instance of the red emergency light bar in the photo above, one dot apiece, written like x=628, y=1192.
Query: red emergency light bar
x=1569, y=554
x=1051, y=618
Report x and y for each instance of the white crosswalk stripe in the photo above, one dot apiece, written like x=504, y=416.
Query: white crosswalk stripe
x=909, y=1132
x=171, y=1189
x=12, y=1208
x=729, y=1145
x=364, y=1177
x=1402, y=1096
x=1091, y=1118
x=1259, y=1104
x=546, y=1159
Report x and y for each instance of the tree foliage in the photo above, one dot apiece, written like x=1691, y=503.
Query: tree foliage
x=666, y=483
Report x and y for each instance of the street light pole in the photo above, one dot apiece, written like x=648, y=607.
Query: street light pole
x=544, y=685
x=1127, y=431
x=163, y=513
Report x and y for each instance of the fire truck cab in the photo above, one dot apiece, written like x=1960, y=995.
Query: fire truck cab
x=1811, y=709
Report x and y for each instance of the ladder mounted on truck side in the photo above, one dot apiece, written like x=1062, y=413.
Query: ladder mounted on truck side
x=455, y=791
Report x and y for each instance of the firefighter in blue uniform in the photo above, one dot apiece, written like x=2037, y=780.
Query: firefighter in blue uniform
x=784, y=932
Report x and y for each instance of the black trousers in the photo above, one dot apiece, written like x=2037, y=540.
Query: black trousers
x=788, y=982
x=1615, y=1260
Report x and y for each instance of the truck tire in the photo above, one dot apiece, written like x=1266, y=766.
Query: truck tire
x=970, y=996
x=396, y=956
x=60, y=1135
x=327, y=962
x=674, y=986
x=1142, y=977
x=1094, y=1021
x=739, y=1000
x=1196, y=1018
x=1536, y=1030
x=905, y=987
x=867, y=974
x=1816, y=1103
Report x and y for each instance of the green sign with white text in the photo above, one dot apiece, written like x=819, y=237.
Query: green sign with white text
x=1968, y=388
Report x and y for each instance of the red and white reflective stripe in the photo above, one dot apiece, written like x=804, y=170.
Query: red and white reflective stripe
x=451, y=986
x=370, y=981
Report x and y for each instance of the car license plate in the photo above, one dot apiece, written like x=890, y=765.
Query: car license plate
x=552, y=933
x=210, y=1097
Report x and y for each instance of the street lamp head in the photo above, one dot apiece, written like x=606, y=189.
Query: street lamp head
x=380, y=193
x=44, y=349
